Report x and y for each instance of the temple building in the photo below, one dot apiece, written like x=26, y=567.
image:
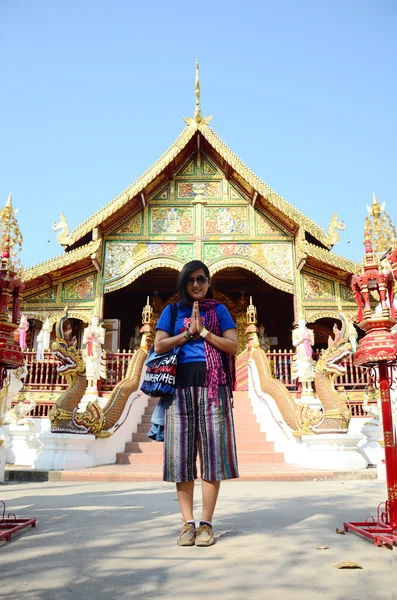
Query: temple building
x=198, y=200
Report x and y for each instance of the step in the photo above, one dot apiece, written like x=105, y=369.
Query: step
x=244, y=412
x=146, y=418
x=245, y=420
x=143, y=427
x=241, y=397
x=150, y=458
x=259, y=437
x=130, y=473
x=260, y=457
x=153, y=458
x=142, y=437
x=246, y=428
x=145, y=446
x=251, y=446
x=148, y=446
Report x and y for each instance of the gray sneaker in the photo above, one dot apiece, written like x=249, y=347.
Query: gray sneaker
x=187, y=536
x=204, y=536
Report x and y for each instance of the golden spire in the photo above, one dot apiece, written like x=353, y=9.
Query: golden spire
x=252, y=329
x=378, y=228
x=197, y=111
x=10, y=235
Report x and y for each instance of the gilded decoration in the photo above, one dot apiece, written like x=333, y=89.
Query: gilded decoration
x=171, y=220
x=121, y=257
x=209, y=189
x=242, y=172
x=188, y=170
x=312, y=316
x=330, y=258
x=133, y=226
x=60, y=262
x=141, y=269
x=163, y=195
x=379, y=227
x=346, y=294
x=49, y=295
x=55, y=314
x=248, y=265
x=276, y=258
x=315, y=288
x=332, y=235
x=79, y=289
x=234, y=194
x=266, y=227
x=224, y=220
x=208, y=169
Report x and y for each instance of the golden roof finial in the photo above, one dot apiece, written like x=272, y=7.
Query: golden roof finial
x=378, y=228
x=197, y=110
x=198, y=118
x=10, y=235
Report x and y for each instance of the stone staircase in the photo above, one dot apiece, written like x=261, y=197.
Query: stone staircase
x=255, y=454
x=142, y=459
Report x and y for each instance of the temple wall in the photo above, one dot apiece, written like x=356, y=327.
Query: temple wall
x=324, y=296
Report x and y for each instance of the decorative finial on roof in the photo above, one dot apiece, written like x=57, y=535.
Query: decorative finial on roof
x=197, y=111
x=10, y=235
x=379, y=228
x=375, y=209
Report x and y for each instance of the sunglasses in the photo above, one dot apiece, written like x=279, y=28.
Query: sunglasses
x=201, y=279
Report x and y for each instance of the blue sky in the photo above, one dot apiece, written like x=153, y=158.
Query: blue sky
x=93, y=92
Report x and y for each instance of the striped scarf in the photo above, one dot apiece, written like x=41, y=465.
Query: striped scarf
x=219, y=364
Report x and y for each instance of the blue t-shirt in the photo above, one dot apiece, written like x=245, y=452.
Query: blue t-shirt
x=193, y=350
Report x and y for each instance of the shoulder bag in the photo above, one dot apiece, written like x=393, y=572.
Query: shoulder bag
x=161, y=368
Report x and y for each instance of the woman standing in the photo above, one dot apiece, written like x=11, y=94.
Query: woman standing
x=200, y=418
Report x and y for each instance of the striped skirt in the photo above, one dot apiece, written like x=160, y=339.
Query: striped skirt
x=194, y=426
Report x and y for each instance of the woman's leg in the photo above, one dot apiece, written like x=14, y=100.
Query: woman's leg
x=210, y=491
x=185, y=492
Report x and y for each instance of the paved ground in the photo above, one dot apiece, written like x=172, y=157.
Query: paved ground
x=110, y=540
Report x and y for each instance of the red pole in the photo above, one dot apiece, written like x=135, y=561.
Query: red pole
x=389, y=442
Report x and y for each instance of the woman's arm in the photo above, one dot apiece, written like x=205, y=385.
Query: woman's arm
x=164, y=343
x=227, y=342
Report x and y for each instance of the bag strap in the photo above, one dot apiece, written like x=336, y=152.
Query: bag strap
x=174, y=313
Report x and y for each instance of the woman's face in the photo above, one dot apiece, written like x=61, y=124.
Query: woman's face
x=197, y=285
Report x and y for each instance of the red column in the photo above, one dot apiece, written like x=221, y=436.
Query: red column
x=389, y=441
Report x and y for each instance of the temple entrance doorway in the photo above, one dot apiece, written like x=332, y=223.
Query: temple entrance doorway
x=232, y=286
x=275, y=308
x=323, y=329
x=127, y=303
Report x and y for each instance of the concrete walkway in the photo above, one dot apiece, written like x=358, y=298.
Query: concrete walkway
x=110, y=540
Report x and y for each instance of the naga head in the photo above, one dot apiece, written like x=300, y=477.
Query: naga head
x=333, y=360
x=64, y=351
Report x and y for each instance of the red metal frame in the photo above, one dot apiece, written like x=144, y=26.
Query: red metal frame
x=378, y=530
x=11, y=356
x=383, y=529
x=378, y=349
x=10, y=525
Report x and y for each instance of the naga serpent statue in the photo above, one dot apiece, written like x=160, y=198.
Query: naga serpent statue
x=94, y=420
x=335, y=416
x=333, y=236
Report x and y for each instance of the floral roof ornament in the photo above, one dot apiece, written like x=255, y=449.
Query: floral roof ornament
x=10, y=236
x=379, y=228
x=373, y=280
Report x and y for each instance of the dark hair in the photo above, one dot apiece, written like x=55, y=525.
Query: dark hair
x=187, y=270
